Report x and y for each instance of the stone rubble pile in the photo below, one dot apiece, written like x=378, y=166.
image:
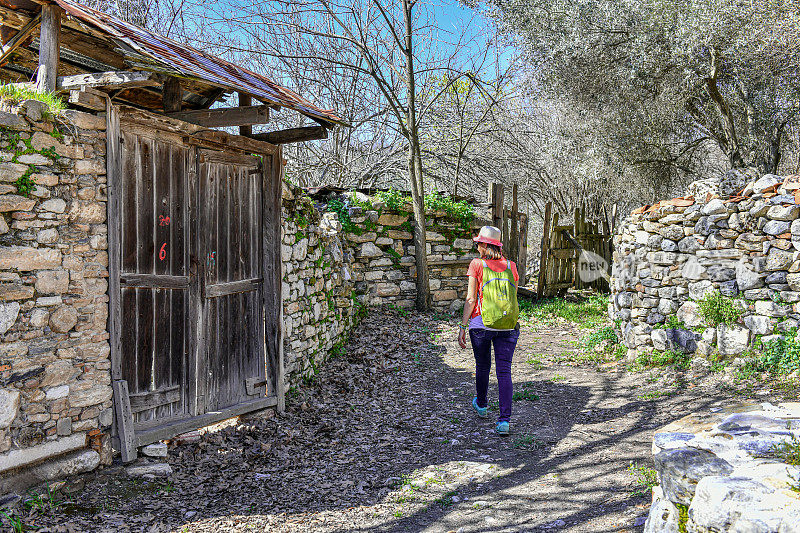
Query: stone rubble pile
x=725, y=472
x=670, y=255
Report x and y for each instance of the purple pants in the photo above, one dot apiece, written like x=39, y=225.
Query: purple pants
x=504, y=344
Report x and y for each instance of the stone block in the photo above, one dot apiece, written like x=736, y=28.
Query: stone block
x=52, y=281
x=368, y=249
x=688, y=313
x=770, y=308
x=389, y=219
x=95, y=395
x=680, y=470
x=25, y=258
x=732, y=339
x=776, y=227
x=157, y=449
x=15, y=291
x=14, y=202
x=63, y=319
x=758, y=324
x=84, y=121
x=9, y=406
x=783, y=212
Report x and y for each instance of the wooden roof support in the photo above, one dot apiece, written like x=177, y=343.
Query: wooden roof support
x=87, y=98
x=114, y=78
x=226, y=116
x=245, y=100
x=21, y=36
x=49, y=41
x=172, y=95
x=292, y=135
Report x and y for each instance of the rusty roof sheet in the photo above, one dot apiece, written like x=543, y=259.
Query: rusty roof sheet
x=162, y=54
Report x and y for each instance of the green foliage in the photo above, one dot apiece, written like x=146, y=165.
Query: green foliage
x=645, y=478
x=338, y=207
x=399, y=310
x=588, y=312
x=527, y=442
x=672, y=322
x=717, y=309
x=463, y=212
x=781, y=356
x=683, y=517
x=655, y=358
x=366, y=205
x=17, y=93
x=25, y=184
x=789, y=451
x=524, y=394
x=394, y=200
x=12, y=521
x=391, y=252
x=599, y=336
x=407, y=226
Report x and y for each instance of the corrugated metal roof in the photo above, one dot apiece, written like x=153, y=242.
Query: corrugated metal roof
x=162, y=54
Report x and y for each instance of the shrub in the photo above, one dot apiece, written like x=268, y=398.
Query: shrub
x=18, y=93
x=598, y=336
x=393, y=199
x=781, y=356
x=666, y=358
x=717, y=309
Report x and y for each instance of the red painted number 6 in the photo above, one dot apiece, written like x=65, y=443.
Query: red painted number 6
x=162, y=253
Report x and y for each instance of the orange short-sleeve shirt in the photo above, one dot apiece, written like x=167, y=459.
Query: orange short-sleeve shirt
x=476, y=271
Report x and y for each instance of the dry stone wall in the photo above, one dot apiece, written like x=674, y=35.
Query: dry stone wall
x=669, y=256
x=334, y=271
x=727, y=471
x=54, y=352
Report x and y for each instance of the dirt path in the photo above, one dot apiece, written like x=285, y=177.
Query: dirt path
x=384, y=439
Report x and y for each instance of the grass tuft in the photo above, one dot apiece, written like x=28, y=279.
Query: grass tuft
x=587, y=312
x=17, y=93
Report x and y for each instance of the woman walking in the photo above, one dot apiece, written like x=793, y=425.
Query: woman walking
x=490, y=315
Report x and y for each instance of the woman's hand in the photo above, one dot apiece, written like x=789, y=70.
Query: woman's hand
x=462, y=338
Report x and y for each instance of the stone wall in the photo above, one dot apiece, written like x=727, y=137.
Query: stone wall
x=55, y=390
x=725, y=472
x=333, y=271
x=669, y=256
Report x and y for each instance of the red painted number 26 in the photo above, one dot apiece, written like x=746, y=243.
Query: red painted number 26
x=162, y=253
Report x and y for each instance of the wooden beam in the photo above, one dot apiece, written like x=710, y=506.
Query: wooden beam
x=244, y=101
x=114, y=78
x=87, y=98
x=49, y=41
x=217, y=139
x=172, y=95
x=292, y=135
x=21, y=36
x=226, y=116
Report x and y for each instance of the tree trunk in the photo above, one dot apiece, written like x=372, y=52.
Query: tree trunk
x=423, y=299
x=728, y=126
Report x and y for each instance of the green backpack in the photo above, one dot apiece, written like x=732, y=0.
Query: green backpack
x=499, y=307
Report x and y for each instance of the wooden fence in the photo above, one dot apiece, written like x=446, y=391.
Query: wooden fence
x=562, y=265
x=514, y=225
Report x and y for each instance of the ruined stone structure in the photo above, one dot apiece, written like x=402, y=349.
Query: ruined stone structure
x=331, y=273
x=56, y=410
x=670, y=255
x=724, y=471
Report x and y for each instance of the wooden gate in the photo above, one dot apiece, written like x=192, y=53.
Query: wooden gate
x=562, y=245
x=194, y=268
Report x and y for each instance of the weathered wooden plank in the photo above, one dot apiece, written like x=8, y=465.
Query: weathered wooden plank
x=220, y=139
x=224, y=289
x=513, y=239
x=113, y=169
x=124, y=420
x=21, y=36
x=196, y=303
x=143, y=401
x=49, y=41
x=113, y=78
x=449, y=262
x=88, y=99
x=292, y=135
x=229, y=158
x=172, y=95
x=171, y=429
x=225, y=116
x=544, y=251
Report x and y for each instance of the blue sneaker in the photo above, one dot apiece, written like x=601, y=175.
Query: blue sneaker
x=480, y=410
x=502, y=428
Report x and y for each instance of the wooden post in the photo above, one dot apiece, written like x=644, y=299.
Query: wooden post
x=124, y=420
x=496, y=202
x=245, y=100
x=576, y=230
x=513, y=239
x=49, y=40
x=522, y=265
x=172, y=95
x=544, y=252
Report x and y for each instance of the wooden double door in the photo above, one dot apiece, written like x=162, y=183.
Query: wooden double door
x=195, y=259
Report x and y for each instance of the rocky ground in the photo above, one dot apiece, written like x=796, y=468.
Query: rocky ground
x=384, y=439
